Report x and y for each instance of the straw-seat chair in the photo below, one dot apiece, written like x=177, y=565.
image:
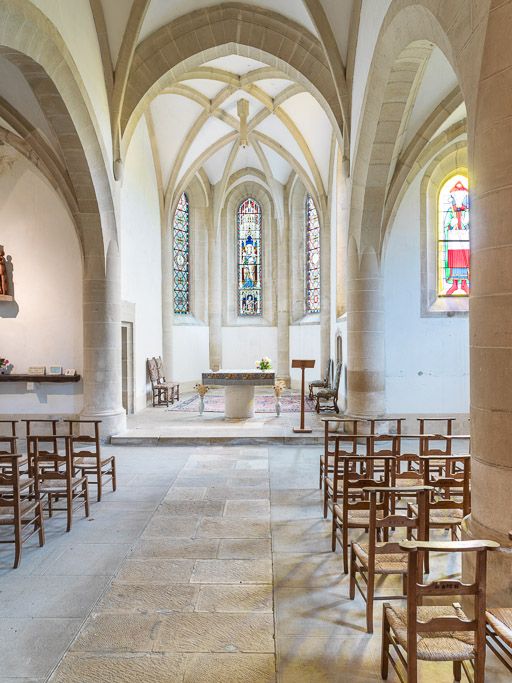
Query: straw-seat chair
x=385, y=558
x=499, y=632
x=437, y=632
x=87, y=455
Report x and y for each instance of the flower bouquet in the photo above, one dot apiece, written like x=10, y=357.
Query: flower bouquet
x=202, y=390
x=5, y=366
x=264, y=364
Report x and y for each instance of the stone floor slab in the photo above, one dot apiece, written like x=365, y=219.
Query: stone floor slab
x=244, y=598
x=235, y=668
x=244, y=548
x=212, y=527
x=232, y=571
x=156, y=570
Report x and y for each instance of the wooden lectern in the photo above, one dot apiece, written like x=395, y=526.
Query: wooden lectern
x=302, y=364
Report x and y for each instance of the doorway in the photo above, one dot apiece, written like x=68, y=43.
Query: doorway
x=127, y=366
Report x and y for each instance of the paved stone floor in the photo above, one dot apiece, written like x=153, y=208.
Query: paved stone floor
x=208, y=564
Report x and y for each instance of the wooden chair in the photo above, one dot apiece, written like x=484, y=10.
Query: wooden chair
x=327, y=458
x=385, y=558
x=330, y=393
x=9, y=426
x=499, y=632
x=161, y=394
x=445, y=428
x=86, y=453
x=353, y=510
x=437, y=632
x=174, y=386
x=450, y=500
x=17, y=509
x=64, y=481
x=344, y=445
x=321, y=383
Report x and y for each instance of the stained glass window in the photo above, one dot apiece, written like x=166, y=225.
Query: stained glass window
x=249, y=258
x=312, y=257
x=453, y=238
x=181, y=227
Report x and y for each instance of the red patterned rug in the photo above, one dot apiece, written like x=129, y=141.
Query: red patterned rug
x=214, y=403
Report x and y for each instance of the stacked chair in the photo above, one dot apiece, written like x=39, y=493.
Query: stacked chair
x=53, y=474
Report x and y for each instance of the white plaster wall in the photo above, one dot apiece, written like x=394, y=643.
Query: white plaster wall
x=74, y=21
x=371, y=18
x=190, y=354
x=427, y=359
x=243, y=346
x=305, y=344
x=44, y=325
x=141, y=255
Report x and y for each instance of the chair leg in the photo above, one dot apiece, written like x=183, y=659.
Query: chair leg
x=353, y=569
x=457, y=671
x=17, y=543
x=85, y=493
x=100, y=483
x=114, y=480
x=345, y=549
x=384, y=654
x=336, y=406
x=326, y=499
x=69, y=509
x=333, y=532
x=370, y=590
x=40, y=524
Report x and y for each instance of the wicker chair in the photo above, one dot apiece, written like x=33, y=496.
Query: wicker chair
x=376, y=558
x=327, y=457
x=19, y=508
x=330, y=394
x=437, y=632
x=353, y=510
x=320, y=383
x=87, y=456
x=499, y=632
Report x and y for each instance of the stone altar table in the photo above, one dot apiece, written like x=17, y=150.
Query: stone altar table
x=239, y=393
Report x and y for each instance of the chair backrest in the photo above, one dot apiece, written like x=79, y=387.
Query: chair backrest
x=9, y=426
x=160, y=368
x=8, y=445
x=382, y=444
x=337, y=378
x=152, y=371
x=10, y=495
x=338, y=439
x=360, y=472
x=395, y=422
x=41, y=461
x=455, y=486
x=328, y=372
x=417, y=590
x=380, y=500
x=79, y=439
x=46, y=433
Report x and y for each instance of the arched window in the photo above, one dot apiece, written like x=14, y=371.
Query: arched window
x=453, y=252
x=249, y=258
x=312, y=257
x=181, y=256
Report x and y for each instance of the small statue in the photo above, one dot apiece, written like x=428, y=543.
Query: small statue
x=4, y=284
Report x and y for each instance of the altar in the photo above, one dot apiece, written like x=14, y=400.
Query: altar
x=239, y=392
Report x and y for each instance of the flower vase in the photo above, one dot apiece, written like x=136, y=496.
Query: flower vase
x=278, y=407
x=201, y=405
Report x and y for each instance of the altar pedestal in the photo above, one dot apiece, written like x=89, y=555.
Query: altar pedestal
x=239, y=402
x=239, y=389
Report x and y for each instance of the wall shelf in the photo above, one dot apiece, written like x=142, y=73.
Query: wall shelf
x=39, y=378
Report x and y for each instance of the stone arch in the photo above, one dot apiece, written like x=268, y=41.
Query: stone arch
x=30, y=42
x=229, y=28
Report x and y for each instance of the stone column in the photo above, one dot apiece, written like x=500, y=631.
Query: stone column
x=283, y=299
x=102, y=341
x=490, y=310
x=215, y=294
x=365, y=335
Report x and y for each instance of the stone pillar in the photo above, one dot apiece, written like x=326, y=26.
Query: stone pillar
x=215, y=280
x=102, y=341
x=490, y=310
x=365, y=335
x=283, y=299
